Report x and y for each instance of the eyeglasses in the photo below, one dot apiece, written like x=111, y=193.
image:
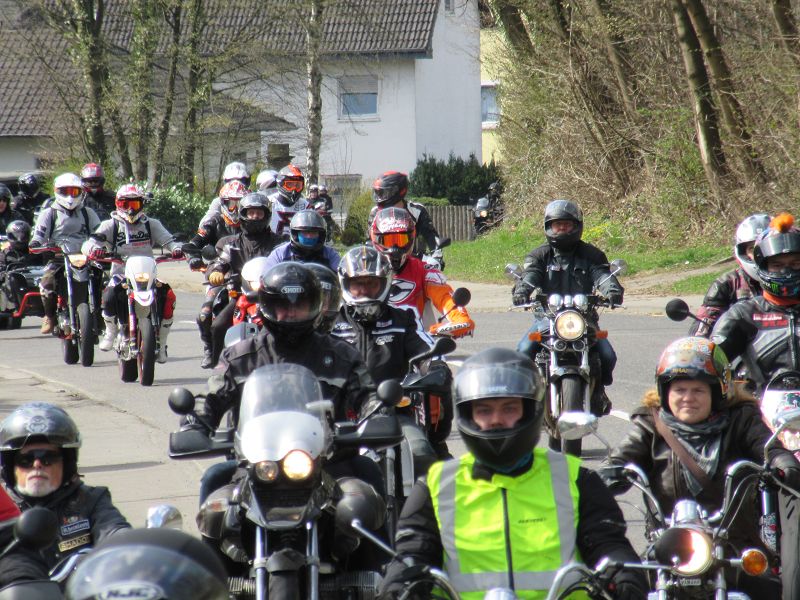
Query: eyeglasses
x=395, y=240
x=46, y=457
x=70, y=191
x=293, y=185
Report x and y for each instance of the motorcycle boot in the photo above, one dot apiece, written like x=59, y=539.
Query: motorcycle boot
x=163, y=334
x=204, y=325
x=110, y=334
x=49, y=319
x=599, y=403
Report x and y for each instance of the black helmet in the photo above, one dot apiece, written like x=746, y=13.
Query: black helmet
x=331, y=295
x=5, y=194
x=290, y=298
x=389, y=188
x=495, y=188
x=158, y=564
x=365, y=261
x=781, y=237
x=19, y=234
x=254, y=200
x=499, y=373
x=307, y=221
x=38, y=422
x=559, y=210
x=29, y=184
x=290, y=183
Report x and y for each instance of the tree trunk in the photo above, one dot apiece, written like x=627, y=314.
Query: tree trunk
x=314, y=83
x=706, y=125
x=790, y=39
x=732, y=113
x=514, y=28
x=145, y=38
x=169, y=95
x=193, y=91
x=87, y=29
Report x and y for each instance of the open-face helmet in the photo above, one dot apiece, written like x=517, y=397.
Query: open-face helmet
x=563, y=210
x=695, y=358
x=392, y=233
x=130, y=202
x=780, y=238
x=362, y=262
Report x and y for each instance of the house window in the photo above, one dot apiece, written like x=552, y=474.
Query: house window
x=490, y=112
x=358, y=98
x=448, y=6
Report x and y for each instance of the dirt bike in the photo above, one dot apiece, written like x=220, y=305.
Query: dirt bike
x=285, y=504
x=137, y=343
x=566, y=331
x=77, y=308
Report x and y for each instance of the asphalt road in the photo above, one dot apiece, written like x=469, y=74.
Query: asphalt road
x=638, y=340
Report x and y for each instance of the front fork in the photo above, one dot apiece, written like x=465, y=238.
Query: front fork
x=768, y=521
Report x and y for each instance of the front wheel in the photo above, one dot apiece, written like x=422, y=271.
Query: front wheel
x=86, y=327
x=147, y=352
x=572, y=401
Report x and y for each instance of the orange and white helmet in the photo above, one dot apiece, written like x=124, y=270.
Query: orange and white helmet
x=130, y=202
x=69, y=191
x=229, y=196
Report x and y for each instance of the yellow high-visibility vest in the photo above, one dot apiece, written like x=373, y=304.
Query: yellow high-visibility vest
x=512, y=532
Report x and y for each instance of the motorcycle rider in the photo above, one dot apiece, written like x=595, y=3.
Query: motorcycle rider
x=290, y=301
x=331, y=295
x=392, y=234
x=504, y=514
x=17, y=564
x=210, y=232
x=389, y=190
x=306, y=242
x=287, y=200
x=158, y=564
x=39, y=445
x=565, y=264
x=233, y=171
x=734, y=285
x=254, y=239
x=387, y=338
x=716, y=424
x=7, y=214
x=130, y=232
x=16, y=254
x=266, y=181
x=30, y=196
x=66, y=223
x=101, y=200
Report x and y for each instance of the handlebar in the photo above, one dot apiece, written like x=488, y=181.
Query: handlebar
x=43, y=249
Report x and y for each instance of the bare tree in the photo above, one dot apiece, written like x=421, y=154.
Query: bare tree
x=314, y=89
x=172, y=16
x=143, y=47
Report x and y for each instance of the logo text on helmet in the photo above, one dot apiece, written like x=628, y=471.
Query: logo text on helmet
x=132, y=591
x=292, y=289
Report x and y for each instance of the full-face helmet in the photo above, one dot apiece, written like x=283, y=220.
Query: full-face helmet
x=392, y=233
x=746, y=234
x=236, y=170
x=130, y=202
x=93, y=178
x=563, y=210
x=780, y=238
x=331, y=295
x=390, y=188
x=365, y=262
x=29, y=184
x=290, y=298
x=230, y=195
x=254, y=213
x=290, y=184
x=266, y=180
x=69, y=192
x=19, y=234
x=307, y=232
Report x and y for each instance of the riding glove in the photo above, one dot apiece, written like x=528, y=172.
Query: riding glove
x=96, y=253
x=519, y=298
x=177, y=253
x=195, y=263
x=216, y=278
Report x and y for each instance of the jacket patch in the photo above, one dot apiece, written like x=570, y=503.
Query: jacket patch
x=81, y=540
x=384, y=339
x=73, y=526
x=770, y=319
x=401, y=290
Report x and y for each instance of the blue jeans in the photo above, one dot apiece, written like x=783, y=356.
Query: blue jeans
x=608, y=358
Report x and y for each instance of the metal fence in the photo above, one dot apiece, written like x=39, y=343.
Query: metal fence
x=454, y=222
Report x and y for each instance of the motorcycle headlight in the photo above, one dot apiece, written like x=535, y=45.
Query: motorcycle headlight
x=266, y=471
x=554, y=301
x=297, y=465
x=570, y=325
x=77, y=260
x=141, y=277
x=790, y=439
x=484, y=213
x=687, y=550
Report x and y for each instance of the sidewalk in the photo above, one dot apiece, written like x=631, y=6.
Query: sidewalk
x=134, y=466
x=486, y=297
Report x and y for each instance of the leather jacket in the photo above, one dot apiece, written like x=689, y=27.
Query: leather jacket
x=578, y=271
x=342, y=374
x=86, y=516
x=723, y=293
x=235, y=250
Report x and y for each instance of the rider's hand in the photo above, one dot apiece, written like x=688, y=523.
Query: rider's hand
x=96, y=253
x=195, y=263
x=629, y=586
x=519, y=298
x=788, y=469
x=34, y=244
x=615, y=299
x=216, y=278
x=453, y=329
x=177, y=253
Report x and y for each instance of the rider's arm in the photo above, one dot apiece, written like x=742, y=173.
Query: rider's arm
x=105, y=517
x=534, y=269
x=213, y=211
x=159, y=236
x=41, y=231
x=101, y=237
x=734, y=330
x=425, y=227
x=721, y=294
x=607, y=284
x=441, y=296
x=634, y=448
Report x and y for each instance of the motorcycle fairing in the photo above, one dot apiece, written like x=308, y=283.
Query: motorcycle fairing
x=140, y=273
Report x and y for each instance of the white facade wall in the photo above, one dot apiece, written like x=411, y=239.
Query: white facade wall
x=19, y=155
x=449, y=86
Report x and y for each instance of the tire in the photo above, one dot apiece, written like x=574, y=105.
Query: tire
x=71, y=351
x=86, y=327
x=128, y=370
x=14, y=322
x=146, y=359
x=572, y=400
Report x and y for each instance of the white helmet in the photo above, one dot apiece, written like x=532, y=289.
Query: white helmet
x=746, y=234
x=236, y=170
x=69, y=191
x=266, y=180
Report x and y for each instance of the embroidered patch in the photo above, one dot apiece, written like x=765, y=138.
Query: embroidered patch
x=75, y=526
x=81, y=540
x=383, y=340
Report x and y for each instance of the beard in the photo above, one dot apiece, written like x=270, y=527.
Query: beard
x=37, y=485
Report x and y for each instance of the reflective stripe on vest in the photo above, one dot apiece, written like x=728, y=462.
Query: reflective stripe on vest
x=443, y=480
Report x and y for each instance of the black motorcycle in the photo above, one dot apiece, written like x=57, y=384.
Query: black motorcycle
x=486, y=215
x=20, y=296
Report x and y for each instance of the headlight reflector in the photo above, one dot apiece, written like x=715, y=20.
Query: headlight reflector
x=267, y=471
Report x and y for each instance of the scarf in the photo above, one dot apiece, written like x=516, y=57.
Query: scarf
x=702, y=441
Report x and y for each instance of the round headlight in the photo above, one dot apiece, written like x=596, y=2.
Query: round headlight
x=267, y=470
x=297, y=465
x=701, y=556
x=686, y=549
x=790, y=439
x=570, y=325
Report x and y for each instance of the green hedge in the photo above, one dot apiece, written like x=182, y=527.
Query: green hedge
x=178, y=209
x=355, y=227
x=460, y=181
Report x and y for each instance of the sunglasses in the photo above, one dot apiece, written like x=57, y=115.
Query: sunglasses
x=71, y=191
x=46, y=457
x=395, y=240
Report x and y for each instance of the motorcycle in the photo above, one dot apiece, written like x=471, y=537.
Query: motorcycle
x=20, y=296
x=137, y=344
x=77, y=309
x=331, y=228
x=435, y=259
x=281, y=510
x=485, y=216
x=566, y=335
x=35, y=529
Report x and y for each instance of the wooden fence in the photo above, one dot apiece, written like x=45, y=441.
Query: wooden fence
x=454, y=222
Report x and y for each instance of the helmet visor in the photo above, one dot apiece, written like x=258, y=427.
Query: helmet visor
x=385, y=194
x=72, y=192
x=395, y=240
x=293, y=185
x=232, y=204
x=496, y=381
x=129, y=205
x=299, y=309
